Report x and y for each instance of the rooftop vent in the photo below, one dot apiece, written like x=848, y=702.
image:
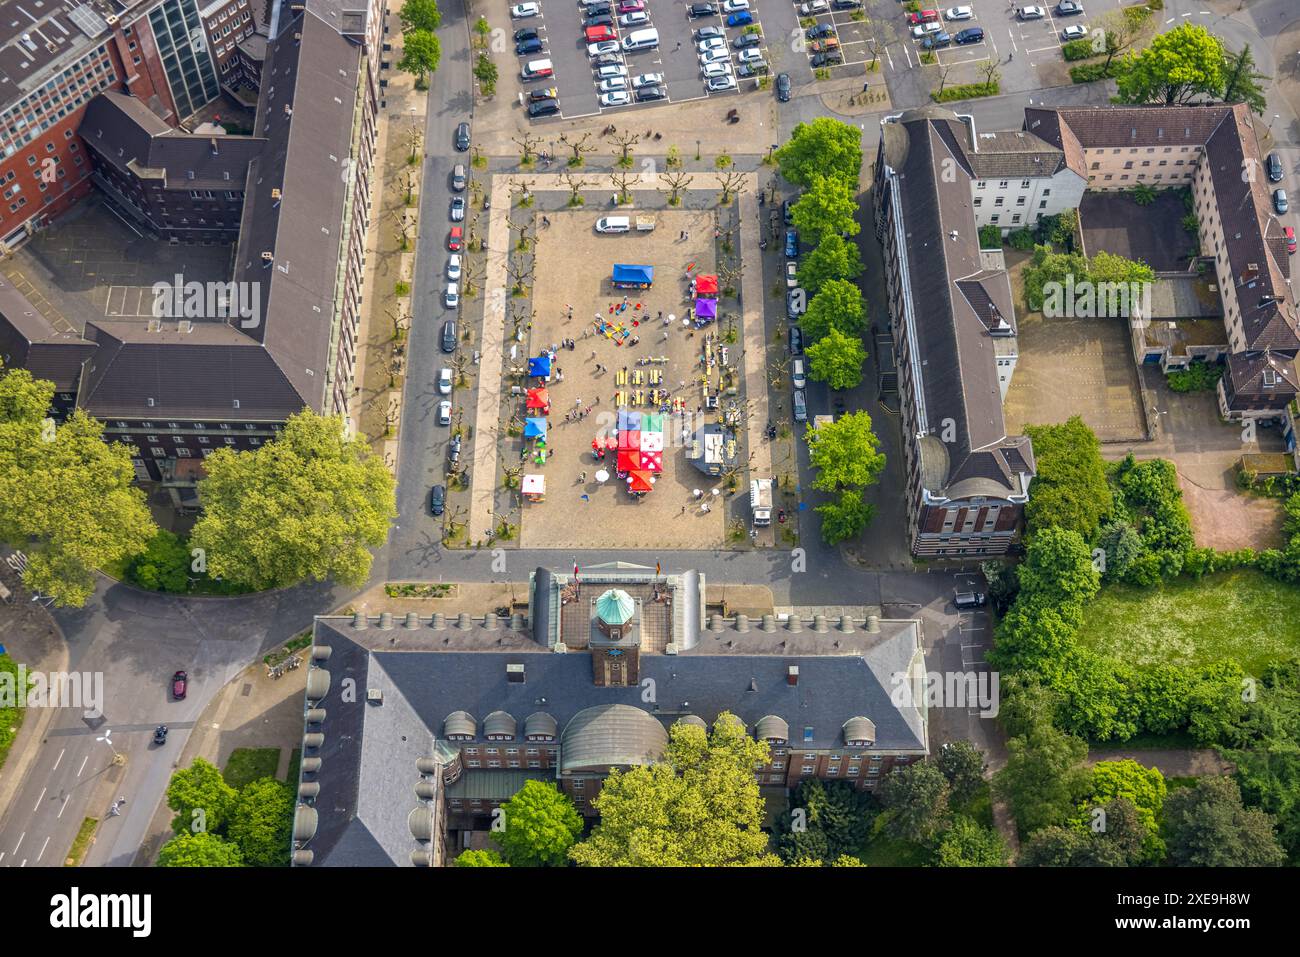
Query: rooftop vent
x=792, y=675
x=374, y=696
x=515, y=674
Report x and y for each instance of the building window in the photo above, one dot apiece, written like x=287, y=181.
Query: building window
x=472, y=764
x=807, y=769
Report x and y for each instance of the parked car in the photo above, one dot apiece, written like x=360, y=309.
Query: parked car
x=846, y=4
x=1075, y=31
x=602, y=48
x=616, y=98
x=698, y=10
x=524, y=47
x=612, y=84
x=608, y=59
x=449, y=336
x=783, y=87
x=731, y=6
x=522, y=11
x=599, y=28
x=550, y=93
x=710, y=33
x=444, y=412
x=647, y=79
x=458, y=177
x=634, y=19
x=1274, y=163
x=970, y=599
x=526, y=33
x=650, y=93
x=925, y=29
x=750, y=56
x=787, y=212
x=717, y=84
x=791, y=274
x=795, y=340
x=1279, y=201
x=922, y=16
x=832, y=58
x=444, y=381
x=1069, y=8
x=936, y=41
x=828, y=43
x=437, y=500
x=455, y=238
x=717, y=41
x=959, y=13
x=453, y=266
x=721, y=68
x=597, y=9
x=1289, y=233
x=451, y=295
x=543, y=108
x=813, y=7
x=819, y=31
x=1031, y=13
x=462, y=137
x=457, y=208
x=180, y=685
x=747, y=40
x=970, y=35
x=798, y=378
x=716, y=55
x=800, y=405
x=453, y=449
x=613, y=69
x=796, y=302
x=741, y=18
x=791, y=244
x=631, y=6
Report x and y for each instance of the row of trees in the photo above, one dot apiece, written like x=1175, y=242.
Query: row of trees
x=218, y=826
x=421, y=49
x=308, y=505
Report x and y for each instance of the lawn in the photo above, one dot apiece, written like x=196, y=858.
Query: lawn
x=1241, y=615
x=250, y=764
x=81, y=844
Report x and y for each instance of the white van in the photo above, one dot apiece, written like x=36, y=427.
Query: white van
x=537, y=70
x=641, y=39
x=613, y=224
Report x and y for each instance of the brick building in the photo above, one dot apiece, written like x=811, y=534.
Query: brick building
x=414, y=731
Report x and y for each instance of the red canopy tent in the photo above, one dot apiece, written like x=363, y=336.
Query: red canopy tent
x=652, y=461
x=706, y=285
x=539, y=398
x=640, y=482
x=628, y=459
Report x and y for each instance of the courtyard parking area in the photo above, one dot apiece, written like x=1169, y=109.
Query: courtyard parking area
x=1115, y=223
x=572, y=277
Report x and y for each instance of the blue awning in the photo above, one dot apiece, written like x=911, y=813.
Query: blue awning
x=626, y=274
x=534, y=428
x=541, y=366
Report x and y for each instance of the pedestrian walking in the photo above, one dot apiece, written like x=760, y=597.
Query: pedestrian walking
x=584, y=476
x=683, y=509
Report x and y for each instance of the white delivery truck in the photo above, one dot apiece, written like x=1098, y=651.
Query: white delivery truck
x=760, y=501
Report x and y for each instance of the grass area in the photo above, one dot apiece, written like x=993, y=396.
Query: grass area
x=979, y=808
x=295, y=763
x=1241, y=615
x=85, y=834
x=11, y=719
x=250, y=764
x=885, y=851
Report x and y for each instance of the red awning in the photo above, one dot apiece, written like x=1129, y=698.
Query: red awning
x=628, y=459
x=538, y=398
x=640, y=482
x=706, y=285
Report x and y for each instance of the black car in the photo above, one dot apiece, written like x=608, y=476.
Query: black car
x=845, y=4
x=783, y=87
x=437, y=499
x=936, y=40
x=819, y=31
x=1069, y=8
x=829, y=58
x=708, y=33
x=527, y=33
x=648, y=93
x=697, y=10
x=787, y=212
x=600, y=20
x=453, y=450
x=449, y=336
x=747, y=40
x=160, y=734
x=543, y=108
x=1274, y=168
x=607, y=59
x=599, y=9
x=746, y=70
x=531, y=45
x=796, y=341
x=970, y=35
x=462, y=137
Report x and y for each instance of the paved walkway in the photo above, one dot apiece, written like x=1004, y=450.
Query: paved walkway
x=1171, y=762
x=754, y=331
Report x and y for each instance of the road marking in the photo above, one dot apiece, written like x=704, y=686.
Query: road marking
x=20, y=842
x=38, y=801
x=43, y=847
x=83, y=765
x=64, y=805
x=58, y=759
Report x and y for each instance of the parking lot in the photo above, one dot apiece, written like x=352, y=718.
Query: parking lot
x=850, y=45
x=674, y=63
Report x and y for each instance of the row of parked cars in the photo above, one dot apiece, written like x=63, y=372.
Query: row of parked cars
x=1066, y=8
x=929, y=27
x=823, y=45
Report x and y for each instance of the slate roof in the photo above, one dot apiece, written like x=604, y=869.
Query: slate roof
x=29, y=342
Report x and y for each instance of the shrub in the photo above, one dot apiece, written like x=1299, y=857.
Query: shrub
x=990, y=237
x=1022, y=239
x=1090, y=72
x=1197, y=377
x=967, y=91
x=1078, y=49
x=1143, y=194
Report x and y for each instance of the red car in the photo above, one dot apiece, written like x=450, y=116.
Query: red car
x=597, y=34
x=925, y=16
x=180, y=682
x=454, y=238
x=631, y=6
x=1289, y=233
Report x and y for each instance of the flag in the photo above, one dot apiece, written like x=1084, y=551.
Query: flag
x=575, y=568
x=657, y=569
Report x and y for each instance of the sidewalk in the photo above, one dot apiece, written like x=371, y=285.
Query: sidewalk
x=754, y=341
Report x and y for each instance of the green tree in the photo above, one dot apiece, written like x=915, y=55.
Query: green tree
x=1069, y=489
x=699, y=806
x=1058, y=570
x=836, y=359
x=837, y=305
x=845, y=517
x=1180, y=65
x=480, y=859
x=825, y=147
x=261, y=822
x=917, y=798
x=1119, y=842
x=963, y=765
x=1143, y=787
x=200, y=797
x=1207, y=826
x=304, y=506
x=68, y=499
x=188, y=849
x=541, y=826
x=1242, y=83
x=1044, y=777
x=833, y=258
x=420, y=15
x=420, y=55
x=826, y=208
x=164, y=565
x=846, y=453
x=967, y=844
x=486, y=72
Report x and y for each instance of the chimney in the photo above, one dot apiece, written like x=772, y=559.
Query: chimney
x=753, y=684
x=515, y=674
x=792, y=675
x=1250, y=273
x=213, y=143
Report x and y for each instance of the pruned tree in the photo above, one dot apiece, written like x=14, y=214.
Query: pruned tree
x=473, y=271
x=414, y=139
x=579, y=146
x=621, y=183
x=729, y=182
x=677, y=182
x=401, y=319
x=624, y=143
x=990, y=70
x=528, y=144
x=575, y=185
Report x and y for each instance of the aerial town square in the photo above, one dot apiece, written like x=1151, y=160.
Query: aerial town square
x=649, y=433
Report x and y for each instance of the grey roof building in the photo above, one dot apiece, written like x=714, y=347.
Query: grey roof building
x=447, y=717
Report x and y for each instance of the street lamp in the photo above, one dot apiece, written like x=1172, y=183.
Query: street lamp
x=107, y=738
x=770, y=150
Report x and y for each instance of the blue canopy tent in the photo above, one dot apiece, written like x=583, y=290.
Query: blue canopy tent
x=631, y=276
x=534, y=428
x=541, y=366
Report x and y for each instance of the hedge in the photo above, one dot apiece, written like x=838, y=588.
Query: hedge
x=968, y=91
x=1079, y=49
x=1088, y=72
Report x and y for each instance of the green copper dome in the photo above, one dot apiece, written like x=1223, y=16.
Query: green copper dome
x=615, y=607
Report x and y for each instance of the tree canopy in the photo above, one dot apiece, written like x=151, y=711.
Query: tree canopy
x=846, y=453
x=1207, y=826
x=189, y=849
x=844, y=517
x=541, y=824
x=420, y=54
x=1178, y=66
x=200, y=788
x=420, y=15
x=480, y=859
x=833, y=258
x=68, y=500
x=917, y=798
x=826, y=208
x=307, y=505
x=1044, y=776
x=968, y=844
x=837, y=359
x=261, y=822
x=1070, y=489
x=825, y=147
x=837, y=305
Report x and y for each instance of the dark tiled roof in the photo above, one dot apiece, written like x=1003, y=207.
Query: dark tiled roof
x=1252, y=376
x=28, y=341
